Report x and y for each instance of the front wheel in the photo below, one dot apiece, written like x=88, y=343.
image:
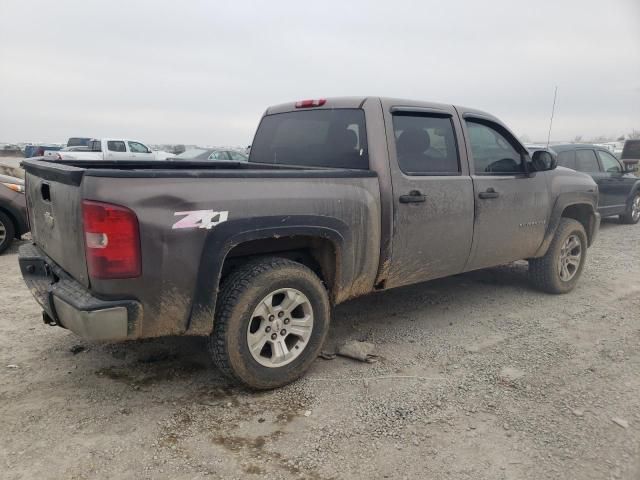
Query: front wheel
x=271, y=322
x=7, y=232
x=632, y=215
x=559, y=269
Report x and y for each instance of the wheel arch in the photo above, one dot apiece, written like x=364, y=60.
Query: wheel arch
x=317, y=242
x=580, y=209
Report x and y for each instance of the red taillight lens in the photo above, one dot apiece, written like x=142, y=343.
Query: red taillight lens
x=310, y=103
x=112, y=240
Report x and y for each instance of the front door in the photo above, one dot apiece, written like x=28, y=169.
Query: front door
x=614, y=185
x=433, y=195
x=138, y=151
x=512, y=207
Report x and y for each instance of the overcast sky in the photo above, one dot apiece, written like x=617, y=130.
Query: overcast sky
x=204, y=71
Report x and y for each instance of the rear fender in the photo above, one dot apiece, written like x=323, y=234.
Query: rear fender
x=565, y=200
x=228, y=235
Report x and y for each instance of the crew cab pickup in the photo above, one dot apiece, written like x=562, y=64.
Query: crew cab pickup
x=112, y=149
x=340, y=197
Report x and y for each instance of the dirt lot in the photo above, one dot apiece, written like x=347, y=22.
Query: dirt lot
x=481, y=377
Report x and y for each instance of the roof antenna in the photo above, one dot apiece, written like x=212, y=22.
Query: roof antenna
x=553, y=109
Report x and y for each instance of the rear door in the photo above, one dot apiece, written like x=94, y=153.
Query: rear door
x=512, y=207
x=432, y=194
x=616, y=186
x=116, y=150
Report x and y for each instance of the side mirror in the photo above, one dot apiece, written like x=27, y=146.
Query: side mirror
x=543, y=160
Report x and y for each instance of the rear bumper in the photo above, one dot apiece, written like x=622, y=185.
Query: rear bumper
x=68, y=304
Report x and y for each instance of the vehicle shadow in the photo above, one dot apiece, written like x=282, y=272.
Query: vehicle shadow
x=184, y=362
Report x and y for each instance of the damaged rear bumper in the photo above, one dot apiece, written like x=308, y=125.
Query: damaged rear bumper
x=67, y=303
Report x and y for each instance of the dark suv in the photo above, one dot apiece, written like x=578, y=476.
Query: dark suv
x=619, y=188
x=13, y=212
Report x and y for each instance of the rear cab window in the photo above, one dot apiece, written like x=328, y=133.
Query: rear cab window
x=330, y=138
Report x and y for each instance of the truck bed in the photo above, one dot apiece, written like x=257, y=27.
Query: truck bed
x=182, y=263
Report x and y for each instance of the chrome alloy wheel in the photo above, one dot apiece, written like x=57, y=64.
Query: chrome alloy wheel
x=3, y=232
x=570, y=255
x=280, y=327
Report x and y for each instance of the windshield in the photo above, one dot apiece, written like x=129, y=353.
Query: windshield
x=319, y=138
x=191, y=153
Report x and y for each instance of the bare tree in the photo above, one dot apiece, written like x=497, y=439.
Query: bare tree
x=634, y=135
x=577, y=139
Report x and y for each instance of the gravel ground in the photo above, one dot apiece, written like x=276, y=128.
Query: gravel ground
x=480, y=377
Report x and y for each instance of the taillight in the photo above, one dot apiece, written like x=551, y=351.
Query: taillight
x=112, y=240
x=311, y=103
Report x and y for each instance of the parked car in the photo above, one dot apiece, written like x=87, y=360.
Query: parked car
x=31, y=151
x=619, y=188
x=340, y=197
x=212, y=154
x=114, y=149
x=630, y=155
x=13, y=212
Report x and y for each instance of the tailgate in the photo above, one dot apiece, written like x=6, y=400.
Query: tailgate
x=53, y=201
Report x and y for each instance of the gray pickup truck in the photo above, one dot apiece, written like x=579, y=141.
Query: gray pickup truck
x=340, y=197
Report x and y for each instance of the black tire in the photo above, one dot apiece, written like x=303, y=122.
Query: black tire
x=240, y=294
x=545, y=272
x=6, y=224
x=627, y=217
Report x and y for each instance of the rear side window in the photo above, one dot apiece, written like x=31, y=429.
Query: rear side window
x=116, y=146
x=586, y=161
x=567, y=159
x=425, y=145
x=317, y=138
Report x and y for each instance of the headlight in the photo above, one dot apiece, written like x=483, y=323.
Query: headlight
x=16, y=187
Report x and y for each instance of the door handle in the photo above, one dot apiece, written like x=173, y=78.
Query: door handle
x=489, y=193
x=415, y=196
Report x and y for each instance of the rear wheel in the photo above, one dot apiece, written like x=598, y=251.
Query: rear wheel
x=632, y=215
x=271, y=322
x=7, y=232
x=560, y=268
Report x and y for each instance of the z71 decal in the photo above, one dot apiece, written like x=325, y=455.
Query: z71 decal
x=200, y=219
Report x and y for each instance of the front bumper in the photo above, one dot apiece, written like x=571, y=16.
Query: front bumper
x=595, y=229
x=68, y=304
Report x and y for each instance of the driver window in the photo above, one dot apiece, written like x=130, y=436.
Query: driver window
x=609, y=163
x=136, y=147
x=493, y=153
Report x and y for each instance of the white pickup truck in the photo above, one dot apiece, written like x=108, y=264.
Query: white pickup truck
x=113, y=149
